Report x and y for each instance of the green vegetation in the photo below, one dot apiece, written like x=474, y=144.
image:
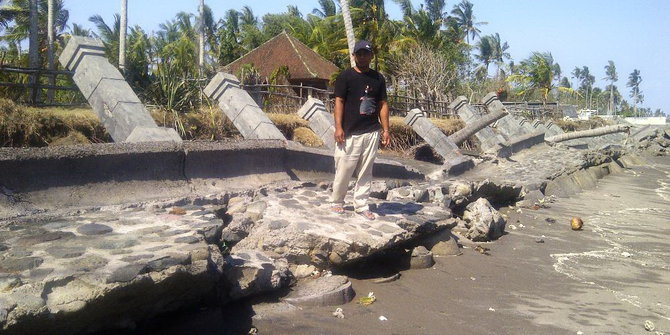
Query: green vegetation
x=433, y=52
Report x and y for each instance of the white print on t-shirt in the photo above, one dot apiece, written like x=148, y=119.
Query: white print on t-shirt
x=368, y=104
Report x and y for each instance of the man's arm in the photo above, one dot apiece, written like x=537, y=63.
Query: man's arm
x=384, y=119
x=339, y=113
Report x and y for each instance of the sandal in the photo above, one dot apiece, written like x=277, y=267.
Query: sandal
x=367, y=214
x=337, y=209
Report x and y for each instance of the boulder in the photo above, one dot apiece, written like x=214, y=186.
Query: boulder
x=250, y=272
x=484, y=221
x=421, y=258
x=322, y=291
x=237, y=229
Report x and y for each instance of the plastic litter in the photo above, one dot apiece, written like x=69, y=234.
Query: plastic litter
x=338, y=313
x=365, y=301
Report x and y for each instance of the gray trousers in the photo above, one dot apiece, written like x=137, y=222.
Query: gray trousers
x=354, y=158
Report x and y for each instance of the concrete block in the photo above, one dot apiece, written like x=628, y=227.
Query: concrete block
x=126, y=117
x=268, y=131
x=219, y=84
x=437, y=139
x=111, y=92
x=79, y=47
x=320, y=121
x=463, y=109
x=241, y=108
x=110, y=96
x=94, y=69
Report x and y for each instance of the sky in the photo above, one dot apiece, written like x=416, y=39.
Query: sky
x=635, y=34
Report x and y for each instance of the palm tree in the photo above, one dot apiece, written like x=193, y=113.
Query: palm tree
x=536, y=74
x=634, y=80
x=78, y=30
x=611, y=75
x=435, y=9
x=349, y=28
x=500, y=53
x=327, y=8
x=110, y=36
x=486, y=52
x=201, y=35
x=122, y=35
x=33, y=51
x=466, y=19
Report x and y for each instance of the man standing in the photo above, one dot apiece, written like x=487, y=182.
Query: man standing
x=361, y=116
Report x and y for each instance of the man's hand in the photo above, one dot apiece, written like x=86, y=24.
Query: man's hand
x=386, y=138
x=339, y=135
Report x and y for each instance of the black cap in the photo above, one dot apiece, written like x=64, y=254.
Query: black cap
x=362, y=45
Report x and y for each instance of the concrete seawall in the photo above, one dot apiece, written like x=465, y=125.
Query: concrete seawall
x=76, y=175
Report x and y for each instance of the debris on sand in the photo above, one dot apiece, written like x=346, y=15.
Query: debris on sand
x=365, y=301
x=387, y=279
x=649, y=326
x=576, y=223
x=338, y=313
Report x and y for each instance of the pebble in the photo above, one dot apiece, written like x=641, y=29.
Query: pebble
x=94, y=229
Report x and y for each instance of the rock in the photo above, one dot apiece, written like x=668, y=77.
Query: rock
x=237, y=205
x=15, y=265
x=87, y=263
x=530, y=199
x=459, y=192
x=65, y=252
x=237, y=230
x=303, y=271
x=443, y=235
x=188, y=239
x=8, y=282
x=256, y=209
x=496, y=193
x=211, y=230
x=408, y=193
x=322, y=291
x=335, y=258
x=421, y=258
x=446, y=248
x=94, y=229
x=252, y=273
x=165, y=262
x=379, y=189
x=46, y=236
x=127, y=273
x=484, y=222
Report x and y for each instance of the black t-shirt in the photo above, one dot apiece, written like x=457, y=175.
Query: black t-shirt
x=362, y=93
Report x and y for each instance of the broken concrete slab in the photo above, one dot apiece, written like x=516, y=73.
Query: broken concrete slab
x=322, y=291
x=315, y=235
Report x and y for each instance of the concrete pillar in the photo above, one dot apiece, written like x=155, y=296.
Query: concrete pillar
x=489, y=140
x=539, y=126
x=510, y=125
x=320, y=121
x=241, y=108
x=110, y=96
x=552, y=129
x=438, y=141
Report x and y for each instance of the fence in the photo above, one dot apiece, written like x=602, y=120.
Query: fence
x=38, y=87
x=289, y=98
